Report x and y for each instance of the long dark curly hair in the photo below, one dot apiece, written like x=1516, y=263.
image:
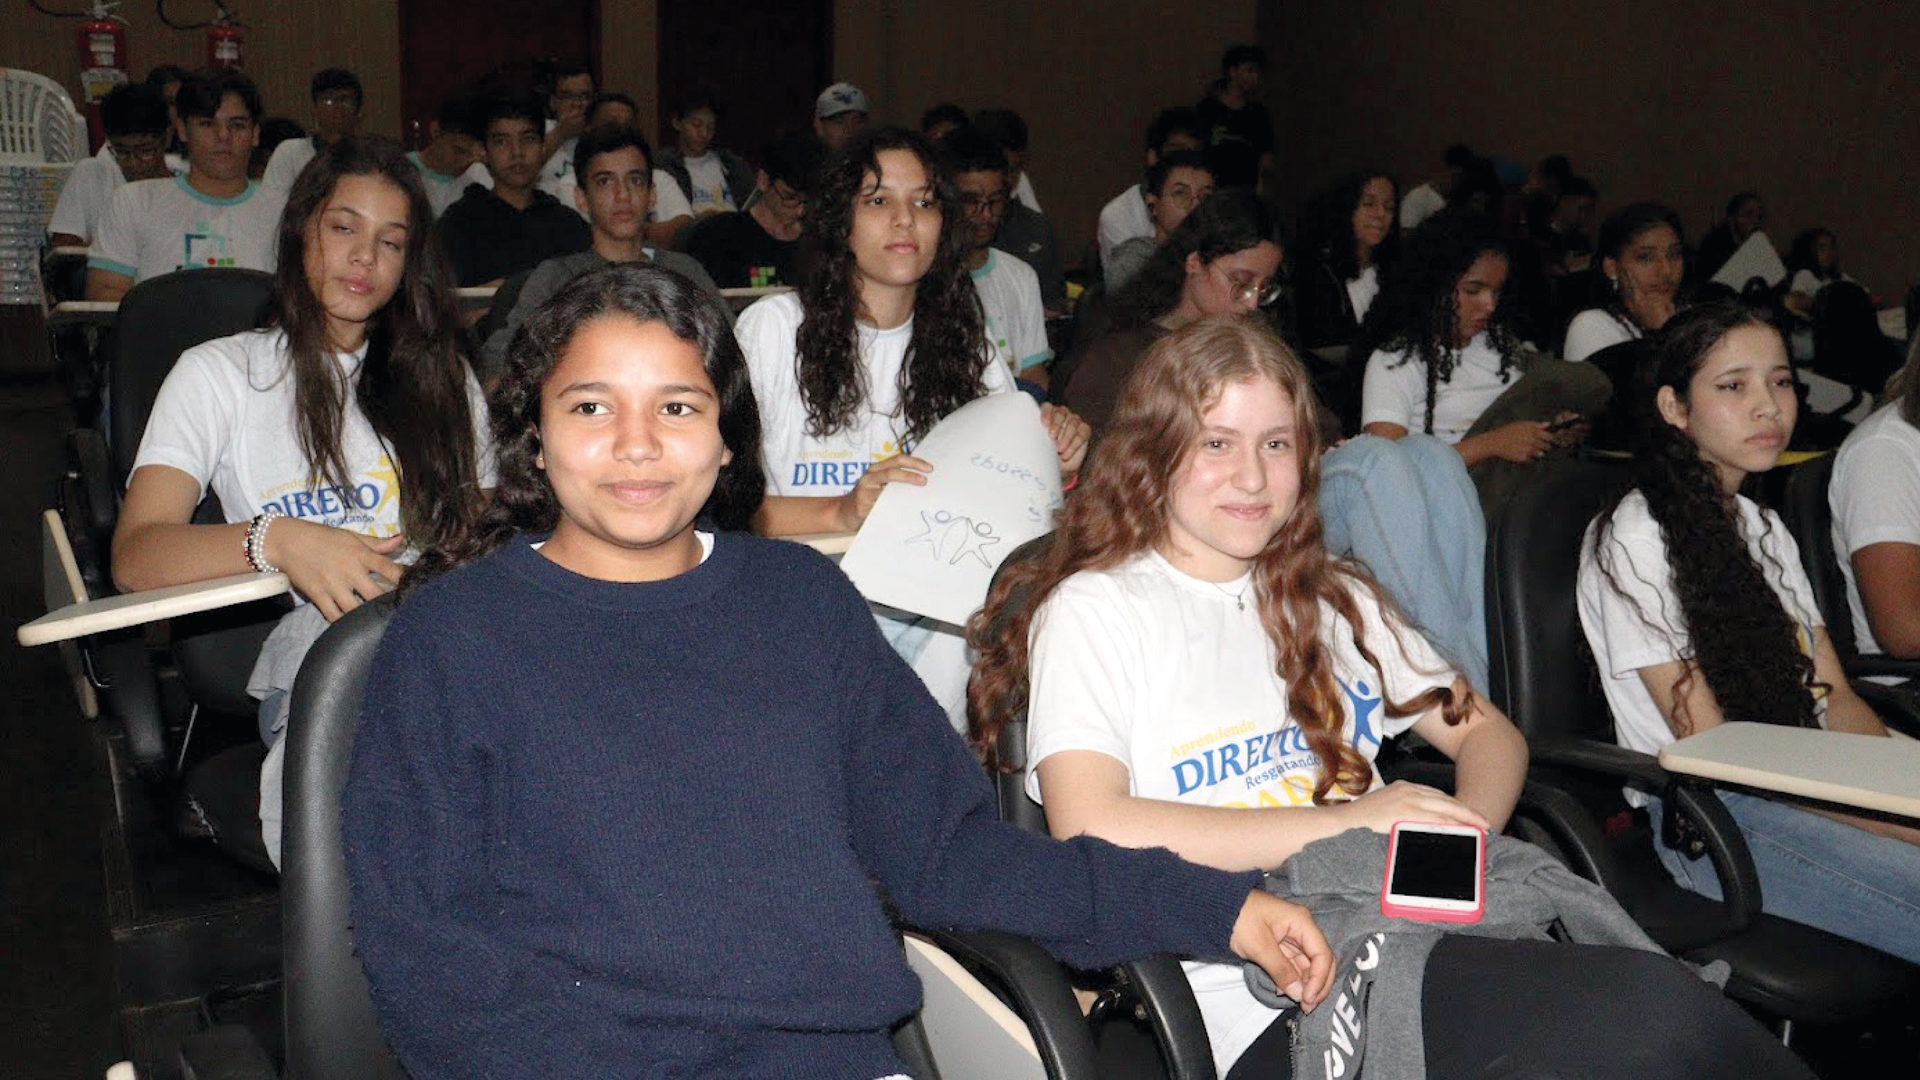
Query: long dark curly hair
x=1228, y=220
x=412, y=385
x=947, y=355
x=524, y=501
x=1739, y=636
x=1122, y=509
x=1326, y=229
x=1415, y=314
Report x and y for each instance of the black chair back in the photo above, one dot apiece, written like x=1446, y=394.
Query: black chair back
x=1810, y=521
x=1540, y=671
x=160, y=318
x=330, y=1027
x=1157, y=983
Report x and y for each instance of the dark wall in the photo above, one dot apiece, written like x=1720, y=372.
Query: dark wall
x=1686, y=101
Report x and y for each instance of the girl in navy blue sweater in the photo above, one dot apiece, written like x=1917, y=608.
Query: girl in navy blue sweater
x=633, y=798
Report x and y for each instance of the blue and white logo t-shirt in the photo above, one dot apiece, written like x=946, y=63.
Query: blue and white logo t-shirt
x=1174, y=678
x=797, y=463
x=225, y=416
x=154, y=227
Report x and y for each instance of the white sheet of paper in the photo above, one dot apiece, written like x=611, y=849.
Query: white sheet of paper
x=995, y=485
x=1753, y=259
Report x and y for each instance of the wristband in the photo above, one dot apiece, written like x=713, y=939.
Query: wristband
x=1071, y=484
x=257, y=540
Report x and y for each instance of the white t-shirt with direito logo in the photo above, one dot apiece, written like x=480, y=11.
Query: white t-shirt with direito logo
x=1175, y=679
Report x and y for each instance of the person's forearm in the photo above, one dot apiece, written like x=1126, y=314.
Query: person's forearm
x=1490, y=770
x=1849, y=712
x=799, y=515
x=155, y=556
x=1476, y=448
x=1226, y=838
x=107, y=286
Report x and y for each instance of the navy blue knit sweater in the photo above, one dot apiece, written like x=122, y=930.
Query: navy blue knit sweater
x=604, y=830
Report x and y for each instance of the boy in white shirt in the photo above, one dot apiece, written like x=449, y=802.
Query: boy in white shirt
x=337, y=98
x=714, y=180
x=451, y=159
x=1126, y=217
x=1016, y=323
x=568, y=105
x=138, y=127
x=213, y=216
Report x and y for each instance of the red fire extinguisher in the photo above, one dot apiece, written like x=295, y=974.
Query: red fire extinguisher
x=224, y=39
x=103, y=63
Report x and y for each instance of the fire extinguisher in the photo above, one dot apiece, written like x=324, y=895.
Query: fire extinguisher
x=224, y=39
x=102, y=42
x=103, y=63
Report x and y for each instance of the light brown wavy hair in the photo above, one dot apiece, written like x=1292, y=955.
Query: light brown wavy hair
x=1121, y=509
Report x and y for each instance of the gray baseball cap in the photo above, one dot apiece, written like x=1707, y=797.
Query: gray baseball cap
x=838, y=98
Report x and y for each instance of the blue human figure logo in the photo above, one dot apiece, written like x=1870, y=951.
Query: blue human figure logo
x=1364, y=702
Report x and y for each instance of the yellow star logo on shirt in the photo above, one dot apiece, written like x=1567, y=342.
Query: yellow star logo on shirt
x=388, y=478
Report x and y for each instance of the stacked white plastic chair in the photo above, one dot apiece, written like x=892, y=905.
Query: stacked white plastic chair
x=41, y=137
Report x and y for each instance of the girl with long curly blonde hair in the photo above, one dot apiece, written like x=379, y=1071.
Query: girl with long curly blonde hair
x=1198, y=673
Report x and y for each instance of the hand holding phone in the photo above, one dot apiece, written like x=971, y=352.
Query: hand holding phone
x=1435, y=872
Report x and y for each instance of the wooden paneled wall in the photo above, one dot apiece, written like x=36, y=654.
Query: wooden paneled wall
x=1086, y=74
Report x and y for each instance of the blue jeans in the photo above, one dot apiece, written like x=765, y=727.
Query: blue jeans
x=1406, y=509
x=1814, y=870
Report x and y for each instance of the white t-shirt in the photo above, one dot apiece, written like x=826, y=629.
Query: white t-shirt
x=1645, y=627
x=1804, y=281
x=669, y=201
x=801, y=464
x=1124, y=217
x=443, y=190
x=1420, y=204
x=1875, y=496
x=1170, y=676
x=1396, y=393
x=155, y=227
x=83, y=198
x=709, y=179
x=1024, y=192
x=1362, y=290
x=556, y=176
x=283, y=168
x=225, y=416
x=1016, y=323
x=1595, y=329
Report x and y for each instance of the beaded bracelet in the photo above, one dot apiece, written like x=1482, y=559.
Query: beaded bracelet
x=257, y=540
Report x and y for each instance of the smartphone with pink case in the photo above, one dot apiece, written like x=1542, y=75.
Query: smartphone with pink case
x=1435, y=872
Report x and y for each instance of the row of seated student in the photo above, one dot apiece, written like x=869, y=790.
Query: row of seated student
x=500, y=178
x=628, y=410
x=813, y=360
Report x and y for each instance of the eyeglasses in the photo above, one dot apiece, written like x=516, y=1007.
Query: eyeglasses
x=575, y=96
x=338, y=98
x=1247, y=288
x=131, y=152
x=991, y=206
